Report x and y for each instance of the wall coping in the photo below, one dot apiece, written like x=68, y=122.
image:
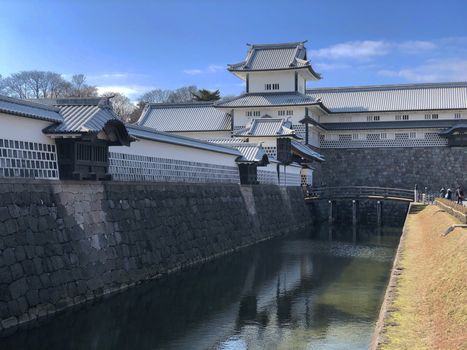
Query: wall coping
x=451, y=208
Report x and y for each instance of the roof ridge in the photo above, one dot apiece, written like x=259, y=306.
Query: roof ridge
x=390, y=86
x=278, y=45
x=181, y=104
x=77, y=101
x=148, y=129
x=29, y=103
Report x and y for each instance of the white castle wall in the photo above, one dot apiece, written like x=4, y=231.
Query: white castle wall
x=24, y=150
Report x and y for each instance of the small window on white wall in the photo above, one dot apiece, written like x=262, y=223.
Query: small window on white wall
x=252, y=113
x=412, y=135
x=271, y=86
x=290, y=112
x=457, y=116
x=281, y=113
x=402, y=117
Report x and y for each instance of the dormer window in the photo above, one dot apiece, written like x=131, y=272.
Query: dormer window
x=271, y=86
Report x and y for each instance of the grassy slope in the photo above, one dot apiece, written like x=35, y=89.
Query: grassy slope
x=429, y=309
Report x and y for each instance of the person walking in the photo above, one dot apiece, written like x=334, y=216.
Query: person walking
x=459, y=195
x=449, y=194
x=442, y=192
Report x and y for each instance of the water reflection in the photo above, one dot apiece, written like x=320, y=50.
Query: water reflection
x=320, y=289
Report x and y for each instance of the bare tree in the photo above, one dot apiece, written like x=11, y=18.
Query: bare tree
x=80, y=88
x=42, y=84
x=2, y=86
x=136, y=114
x=78, y=81
x=183, y=94
x=155, y=96
x=121, y=105
x=57, y=86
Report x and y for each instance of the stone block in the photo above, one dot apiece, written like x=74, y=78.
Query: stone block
x=18, y=288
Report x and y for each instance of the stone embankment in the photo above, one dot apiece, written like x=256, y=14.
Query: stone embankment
x=66, y=243
x=425, y=306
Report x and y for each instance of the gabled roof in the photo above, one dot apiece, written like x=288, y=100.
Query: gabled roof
x=81, y=114
x=406, y=97
x=29, y=109
x=267, y=126
x=264, y=57
x=190, y=116
x=251, y=152
x=270, y=99
x=306, y=152
x=142, y=132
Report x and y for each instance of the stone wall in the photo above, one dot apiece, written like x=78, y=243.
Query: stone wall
x=65, y=243
x=431, y=167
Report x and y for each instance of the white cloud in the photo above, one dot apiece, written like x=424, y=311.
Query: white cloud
x=368, y=49
x=432, y=71
x=212, y=68
x=131, y=91
x=111, y=76
x=414, y=46
x=192, y=71
x=331, y=66
x=353, y=49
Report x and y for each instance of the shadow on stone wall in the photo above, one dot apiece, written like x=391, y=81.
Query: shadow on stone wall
x=66, y=243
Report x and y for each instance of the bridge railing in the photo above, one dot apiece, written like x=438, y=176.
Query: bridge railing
x=355, y=192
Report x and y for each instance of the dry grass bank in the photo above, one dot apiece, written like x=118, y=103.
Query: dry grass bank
x=427, y=307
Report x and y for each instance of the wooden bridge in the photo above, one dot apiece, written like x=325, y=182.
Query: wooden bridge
x=360, y=192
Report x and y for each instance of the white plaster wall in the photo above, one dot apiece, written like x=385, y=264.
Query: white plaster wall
x=308, y=173
x=240, y=118
x=389, y=116
x=286, y=79
x=313, y=137
x=290, y=175
x=14, y=127
x=265, y=141
x=170, y=151
x=301, y=84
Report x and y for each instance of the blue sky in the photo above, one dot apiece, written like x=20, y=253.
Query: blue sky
x=134, y=46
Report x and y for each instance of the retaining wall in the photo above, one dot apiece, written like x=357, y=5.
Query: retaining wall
x=432, y=167
x=65, y=243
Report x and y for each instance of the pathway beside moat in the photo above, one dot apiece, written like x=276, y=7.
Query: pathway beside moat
x=426, y=301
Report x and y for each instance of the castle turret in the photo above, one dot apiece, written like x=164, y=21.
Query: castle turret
x=275, y=68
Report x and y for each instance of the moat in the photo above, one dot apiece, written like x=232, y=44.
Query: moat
x=321, y=289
